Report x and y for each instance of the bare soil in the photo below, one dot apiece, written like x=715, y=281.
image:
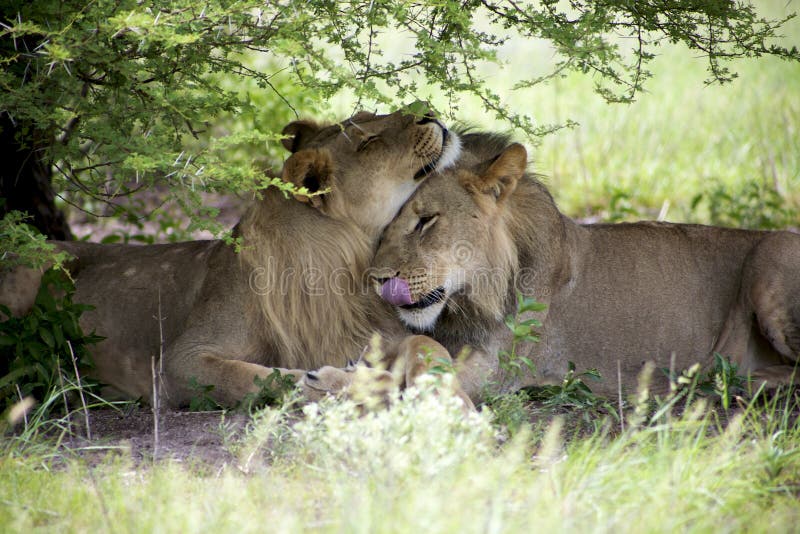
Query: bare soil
x=198, y=439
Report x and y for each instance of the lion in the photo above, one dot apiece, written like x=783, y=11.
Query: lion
x=617, y=295
x=199, y=313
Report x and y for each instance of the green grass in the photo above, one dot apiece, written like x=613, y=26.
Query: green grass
x=679, y=139
x=423, y=467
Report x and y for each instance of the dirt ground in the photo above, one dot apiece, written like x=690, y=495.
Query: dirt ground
x=192, y=438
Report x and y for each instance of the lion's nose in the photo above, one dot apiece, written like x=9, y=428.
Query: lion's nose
x=429, y=116
x=396, y=292
x=379, y=275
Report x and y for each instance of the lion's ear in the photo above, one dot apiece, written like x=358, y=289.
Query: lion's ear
x=502, y=176
x=310, y=168
x=298, y=133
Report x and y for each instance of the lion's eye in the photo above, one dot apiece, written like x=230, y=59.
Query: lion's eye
x=366, y=142
x=425, y=222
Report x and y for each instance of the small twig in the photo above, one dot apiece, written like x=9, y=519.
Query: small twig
x=25, y=413
x=673, y=381
x=160, y=341
x=619, y=397
x=64, y=394
x=157, y=377
x=80, y=392
x=155, y=407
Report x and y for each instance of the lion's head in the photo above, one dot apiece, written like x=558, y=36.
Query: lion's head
x=454, y=246
x=369, y=164
x=305, y=260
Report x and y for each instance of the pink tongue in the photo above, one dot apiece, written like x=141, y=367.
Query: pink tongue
x=395, y=291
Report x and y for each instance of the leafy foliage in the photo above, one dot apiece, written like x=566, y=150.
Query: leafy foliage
x=722, y=382
x=510, y=411
x=30, y=248
x=754, y=205
x=121, y=95
x=421, y=465
x=512, y=364
x=439, y=366
x=201, y=400
x=572, y=395
x=571, y=392
x=273, y=390
x=41, y=349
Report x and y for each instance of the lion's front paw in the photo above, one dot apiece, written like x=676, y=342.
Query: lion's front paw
x=325, y=381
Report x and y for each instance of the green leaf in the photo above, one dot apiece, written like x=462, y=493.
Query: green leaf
x=594, y=374
x=58, y=333
x=35, y=349
x=418, y=108
x=528, y=363
x=531, y=305
x=47, y=337
x=14, y=376
x=111, y=238
x=521, y=330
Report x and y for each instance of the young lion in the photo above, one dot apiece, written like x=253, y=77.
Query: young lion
x=291, y=299
x=454, y=258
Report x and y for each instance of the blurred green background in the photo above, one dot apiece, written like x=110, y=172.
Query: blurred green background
x=684, y=151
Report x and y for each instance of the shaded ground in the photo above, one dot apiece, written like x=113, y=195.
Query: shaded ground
x=194, y=438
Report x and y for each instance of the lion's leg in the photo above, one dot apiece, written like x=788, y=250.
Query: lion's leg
x=475, y=370
x=776, y=375
x=762, y=332
x=232, y=379
x=741, y=341
x=772, y=274
x=419, y=355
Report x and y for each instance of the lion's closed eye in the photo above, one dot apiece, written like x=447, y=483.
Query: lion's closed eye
x=425, y=223
x=366, y=142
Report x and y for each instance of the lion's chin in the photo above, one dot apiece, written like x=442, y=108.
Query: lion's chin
x=448, y=155
x=451, y=150
x=422, y=319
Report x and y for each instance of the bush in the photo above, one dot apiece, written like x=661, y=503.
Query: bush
x=41, y=350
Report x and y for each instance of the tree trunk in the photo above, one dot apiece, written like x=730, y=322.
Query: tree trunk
x=26, y=183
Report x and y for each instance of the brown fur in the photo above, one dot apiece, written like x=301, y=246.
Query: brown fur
x=323, y=300
x=620, y=293
x=292, y=299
